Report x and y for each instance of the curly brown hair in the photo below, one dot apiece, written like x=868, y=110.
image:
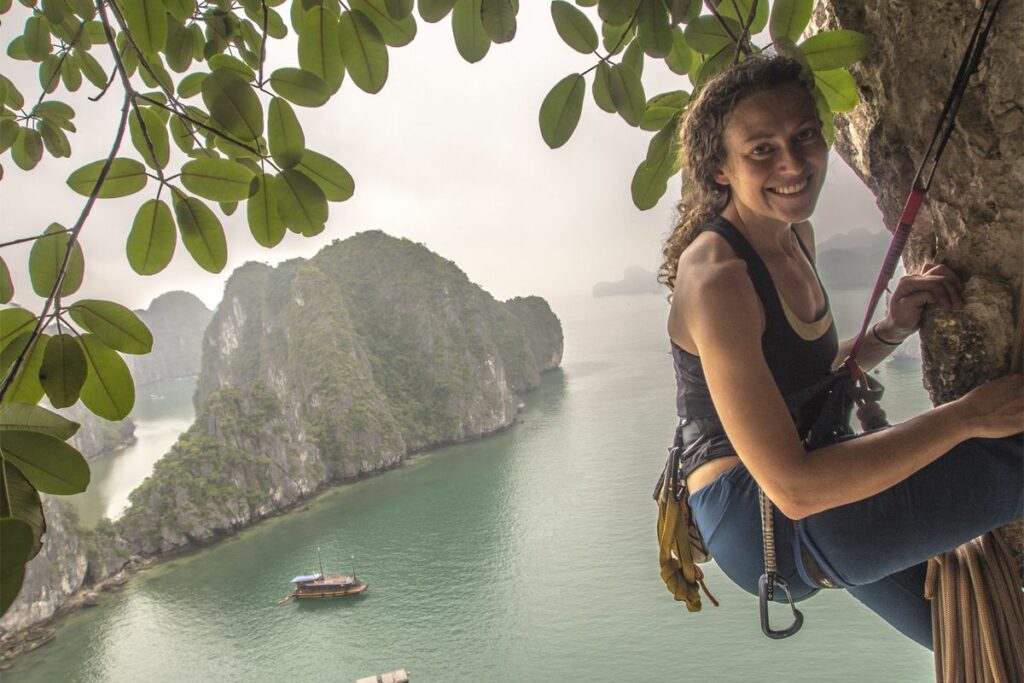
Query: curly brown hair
x=702, y=150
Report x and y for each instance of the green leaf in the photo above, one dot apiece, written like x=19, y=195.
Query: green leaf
x=330, y=176
x=284, y=134
x=126, y=177
x=147, y=23
x=615, y=38
x=181, y=10
x=6, y=285
x=300, y=87
x=828, y=125
x=706, y=35
x=633, y=58
x=680, y=58
x=727, y=8
x=181, y=132
x=181, y=47
x=49, y=73
x=27, y=149
x=320, y=46
x=301, y=203
x=471, y=39
x=617, y=12
x=29, y=418
x=394, y=32
x=10, y=586
x=54, y=10
x=363, y=52
x=157, y=150
x=574, y=27
x=647, y=186
x=192, y=85
x=265, y=223
x=116, y=326
x=233, y=104
x=229, y=63
x=653, y=31
x=560, y=110
x=838, y=88
x=54, y=139
x=152, y=239
x=108, y=390
x=628, y=94
x=8, y=134
x=201, y=232
x=36, y=38
x=713, y=66
x=789, y=18
x=16, y=542
x=63, y=370
x=835, y=49
x=398, y=9
x=49, y=464
x=46, y=257
x=14, y=99
x=602, y=88
x=71, y=74
x=499, y=20
x=221, y=180
x=14, y=322
x=91, y=68
x=433, y=11
x=19, y=499
x=26, y=387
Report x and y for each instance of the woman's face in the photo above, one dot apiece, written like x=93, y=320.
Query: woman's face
x=775, y=155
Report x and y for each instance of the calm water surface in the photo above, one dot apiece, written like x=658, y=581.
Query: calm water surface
x=527, y=556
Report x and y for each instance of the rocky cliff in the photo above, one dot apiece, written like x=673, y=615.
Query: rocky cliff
x=973, y=216
x=97, y=436
x=177, y=321
x=323, y=370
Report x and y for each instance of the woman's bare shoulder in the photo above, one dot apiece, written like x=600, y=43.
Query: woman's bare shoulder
x=712, y=288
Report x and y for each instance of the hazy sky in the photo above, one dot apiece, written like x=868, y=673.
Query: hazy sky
x=448, y=154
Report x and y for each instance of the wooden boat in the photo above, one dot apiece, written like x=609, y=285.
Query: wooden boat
x=318, y=586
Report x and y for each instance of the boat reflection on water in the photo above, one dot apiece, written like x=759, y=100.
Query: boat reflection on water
x=317, y=585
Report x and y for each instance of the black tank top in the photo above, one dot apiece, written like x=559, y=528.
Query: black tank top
x=796, y=361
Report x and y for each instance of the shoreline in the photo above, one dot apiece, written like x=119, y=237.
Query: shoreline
x=44, y=632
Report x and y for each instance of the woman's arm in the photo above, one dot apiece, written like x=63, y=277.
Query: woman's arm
x=719, y=311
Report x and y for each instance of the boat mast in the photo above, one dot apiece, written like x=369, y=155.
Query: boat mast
x=353, y=566
x=321, y=561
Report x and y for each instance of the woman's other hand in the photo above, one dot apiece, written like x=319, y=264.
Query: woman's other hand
x=938, y=284
x=996, y=408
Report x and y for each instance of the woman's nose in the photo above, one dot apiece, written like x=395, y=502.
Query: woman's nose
x=790, y=160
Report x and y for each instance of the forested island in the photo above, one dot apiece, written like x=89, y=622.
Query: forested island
x=313, y=373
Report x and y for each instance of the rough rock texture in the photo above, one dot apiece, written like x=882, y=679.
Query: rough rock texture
x=973, y=216
x=177, y=321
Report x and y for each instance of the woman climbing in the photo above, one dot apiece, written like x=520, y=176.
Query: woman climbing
x=751, y=327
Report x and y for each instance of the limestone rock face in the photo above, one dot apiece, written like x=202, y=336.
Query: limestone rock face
x=177, y=321
x=973, y=215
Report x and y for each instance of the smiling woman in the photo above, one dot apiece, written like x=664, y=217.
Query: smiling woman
x=754, y=345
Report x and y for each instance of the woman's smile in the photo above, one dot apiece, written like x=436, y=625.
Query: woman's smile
x=794, y=188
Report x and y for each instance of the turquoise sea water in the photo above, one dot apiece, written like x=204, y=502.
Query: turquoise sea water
x=526, y=556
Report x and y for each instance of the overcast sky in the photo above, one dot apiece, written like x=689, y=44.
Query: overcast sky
x=448, y=154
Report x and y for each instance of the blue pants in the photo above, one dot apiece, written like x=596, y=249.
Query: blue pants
x=878, y=547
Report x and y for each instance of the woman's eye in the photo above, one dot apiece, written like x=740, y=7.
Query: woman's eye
x=805, y=134
x=761, y=150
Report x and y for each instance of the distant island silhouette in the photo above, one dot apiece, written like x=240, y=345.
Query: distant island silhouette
x=851, y=259
x=635, y=280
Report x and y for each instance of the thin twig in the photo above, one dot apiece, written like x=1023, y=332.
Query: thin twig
x=32, y=239
x=263, y=41
x=103, y=91
x=714, y=12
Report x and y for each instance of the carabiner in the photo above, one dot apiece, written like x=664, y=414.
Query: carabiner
x=762, y=595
